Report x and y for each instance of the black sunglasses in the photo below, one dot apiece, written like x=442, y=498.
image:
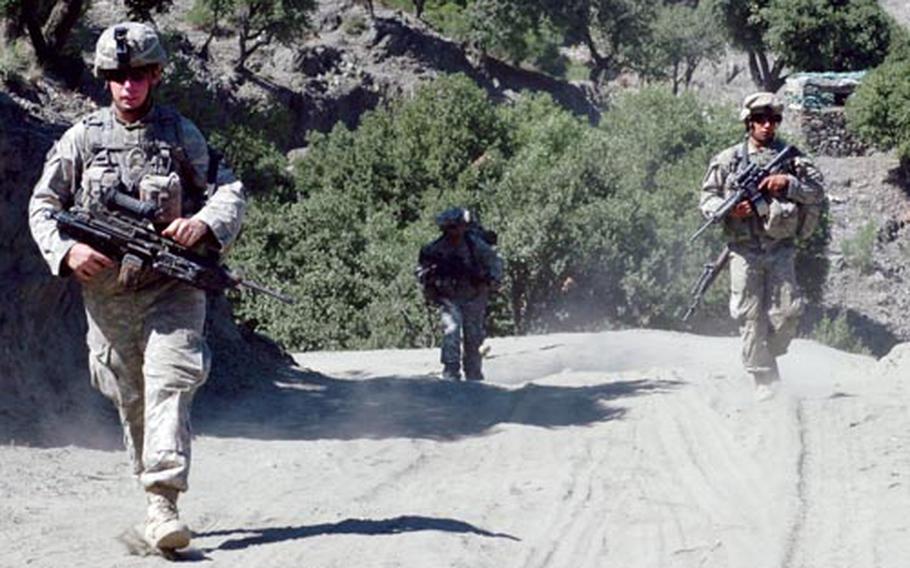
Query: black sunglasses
x=134, y=74
x=763, y=118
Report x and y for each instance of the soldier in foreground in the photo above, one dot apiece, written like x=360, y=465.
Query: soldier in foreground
x=761, y=234
x=458, y=271
x=145, y=331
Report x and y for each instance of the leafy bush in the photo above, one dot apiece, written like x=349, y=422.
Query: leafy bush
x=839, y=334
x=256, y=161
x=879, y=110
x=858, y=249
x=593, y=222
x=348, y=245
x=15, y=61
x=829, y=35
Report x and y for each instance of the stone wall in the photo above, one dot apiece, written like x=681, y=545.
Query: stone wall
x=816, y=100
x=825, y=132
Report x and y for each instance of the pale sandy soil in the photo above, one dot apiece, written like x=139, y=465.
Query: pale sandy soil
x=632, y=449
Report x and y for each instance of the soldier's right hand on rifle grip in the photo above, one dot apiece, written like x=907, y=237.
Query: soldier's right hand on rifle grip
x=186, y=231
x=86, y=262
x=742, y=210
x=776, y=184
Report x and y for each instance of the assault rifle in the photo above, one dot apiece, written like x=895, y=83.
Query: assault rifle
x=129, y=240
x=708, y=275
x=746, y=189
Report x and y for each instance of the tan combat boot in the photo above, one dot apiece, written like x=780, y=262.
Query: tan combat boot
x=163, y=528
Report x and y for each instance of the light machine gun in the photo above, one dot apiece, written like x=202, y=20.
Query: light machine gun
x=129, y=239
x=746, y=189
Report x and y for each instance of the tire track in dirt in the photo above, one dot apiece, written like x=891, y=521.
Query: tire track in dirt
x=799, y=518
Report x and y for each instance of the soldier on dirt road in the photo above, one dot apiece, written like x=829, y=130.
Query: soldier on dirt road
x=145, y=331
x=764, y=295
x=458, y=271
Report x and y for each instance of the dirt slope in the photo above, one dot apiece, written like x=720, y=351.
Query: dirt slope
x=632, y=448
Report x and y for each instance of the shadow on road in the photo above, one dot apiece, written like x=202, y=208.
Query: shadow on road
x=291, y=404
x=398, y=525
x=307, y=406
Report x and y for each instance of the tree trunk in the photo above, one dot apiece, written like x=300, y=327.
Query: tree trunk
x=768, y=78
x=676, y=78
x=60, y=23
x=30, y=18
x=601, y=64
x=370, y=9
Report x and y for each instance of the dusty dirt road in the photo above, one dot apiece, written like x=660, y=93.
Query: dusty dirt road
x=628, y=449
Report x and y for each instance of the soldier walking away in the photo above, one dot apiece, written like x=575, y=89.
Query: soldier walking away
x=458, y=271
x=145, y=331
x=764, y=296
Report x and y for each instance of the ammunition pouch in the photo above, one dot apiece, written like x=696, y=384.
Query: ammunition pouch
x=782, y=221
x=166, y=192
x=809, y=217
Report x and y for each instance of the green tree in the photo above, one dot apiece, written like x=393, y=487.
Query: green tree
x=879, y=110
x=828, y=35
x=256, y=22
x=592, y=221
x=142, y=9
x=807, y=35
x=348, y=241
x=48, y=24
x=612, y=30
x=209, y=15
x=746, y=27
x=682, y=36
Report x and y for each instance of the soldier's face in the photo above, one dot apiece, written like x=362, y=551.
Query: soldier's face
x=131, y=88
x=456, y=232
x=763, y=127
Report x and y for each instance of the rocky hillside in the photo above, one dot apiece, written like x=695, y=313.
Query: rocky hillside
x=349, y=64
x=868, y=252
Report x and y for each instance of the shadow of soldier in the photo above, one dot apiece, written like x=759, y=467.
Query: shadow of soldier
x=299, y=405
x=368, y=527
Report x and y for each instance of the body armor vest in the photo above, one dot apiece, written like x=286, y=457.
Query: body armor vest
x=128, y=159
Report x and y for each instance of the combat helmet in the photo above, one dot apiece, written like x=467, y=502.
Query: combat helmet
x=128, y=45
x=762, y=102
x=453, y=217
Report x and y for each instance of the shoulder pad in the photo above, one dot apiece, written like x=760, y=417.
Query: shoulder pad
x=167, y=113
x=727, y=156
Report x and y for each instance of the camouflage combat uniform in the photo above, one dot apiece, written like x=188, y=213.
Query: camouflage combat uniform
x=459, y=279
x=764, y=296
x=147, y=352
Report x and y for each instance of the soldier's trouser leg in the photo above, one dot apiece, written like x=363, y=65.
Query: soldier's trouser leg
x=148, y=356
x=784, y=301
x=452, y=321
x=474, y=312
x=747, y=298
x=115, y=364
x=176, y=363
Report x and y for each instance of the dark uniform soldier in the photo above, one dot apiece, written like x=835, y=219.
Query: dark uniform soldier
x=764, y=295
x=145, y=331
x=458, y=271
